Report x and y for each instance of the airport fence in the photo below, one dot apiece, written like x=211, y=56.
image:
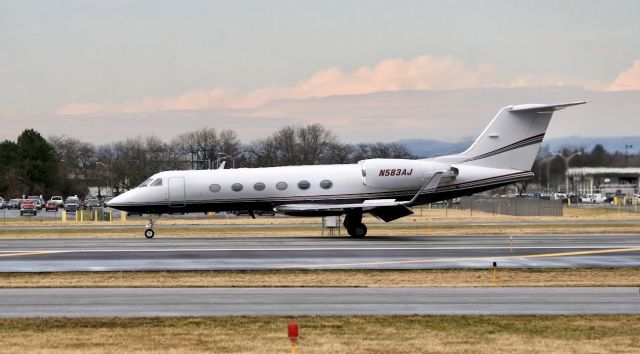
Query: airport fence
x=512, y=206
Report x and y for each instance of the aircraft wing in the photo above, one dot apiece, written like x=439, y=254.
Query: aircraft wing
x=384, y=209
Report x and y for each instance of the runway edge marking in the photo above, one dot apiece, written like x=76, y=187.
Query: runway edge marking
x=542, y=255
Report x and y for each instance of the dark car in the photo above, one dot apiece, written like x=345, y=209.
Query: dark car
x=3, y=204
x=13, y=204
x=91, y=202
x=28, y=206
x=72, y=204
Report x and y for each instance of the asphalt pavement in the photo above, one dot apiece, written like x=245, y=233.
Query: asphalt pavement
x=250, y=253
x=149, y=302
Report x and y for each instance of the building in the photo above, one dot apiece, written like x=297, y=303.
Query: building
x=605, y=180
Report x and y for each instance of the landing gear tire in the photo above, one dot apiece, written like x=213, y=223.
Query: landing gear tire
x=357, y=231
x=149, y=233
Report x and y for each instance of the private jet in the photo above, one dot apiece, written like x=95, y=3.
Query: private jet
x=385, y=188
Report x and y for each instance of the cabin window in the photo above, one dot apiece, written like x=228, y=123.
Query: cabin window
x=236, y=187
x=259, y=186
x=156, y=183
x=214, y=188
x=304, y=185
x=326, y=184
x=281, y=186
x=145, y=183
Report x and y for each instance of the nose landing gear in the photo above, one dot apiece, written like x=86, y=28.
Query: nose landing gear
x=150, y=232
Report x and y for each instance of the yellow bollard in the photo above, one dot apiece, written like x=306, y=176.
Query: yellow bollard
x=81, y=215
x=123, y=216
x=77, y=216
x=63, y=216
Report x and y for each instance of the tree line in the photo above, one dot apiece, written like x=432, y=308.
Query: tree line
x=61, y=165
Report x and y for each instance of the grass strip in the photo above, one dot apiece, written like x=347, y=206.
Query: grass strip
x=328, y=278
x=357, y=334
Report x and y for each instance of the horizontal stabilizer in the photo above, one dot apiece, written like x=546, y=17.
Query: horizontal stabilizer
x=542, y=108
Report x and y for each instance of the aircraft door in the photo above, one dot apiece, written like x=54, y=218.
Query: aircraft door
x=176, y=192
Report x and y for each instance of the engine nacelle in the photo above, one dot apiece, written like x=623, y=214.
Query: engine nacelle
x=399, y=173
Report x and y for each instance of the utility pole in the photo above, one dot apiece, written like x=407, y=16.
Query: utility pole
x=626, y=154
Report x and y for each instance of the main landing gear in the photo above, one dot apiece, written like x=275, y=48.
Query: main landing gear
x=150, y=232
x=353, y=224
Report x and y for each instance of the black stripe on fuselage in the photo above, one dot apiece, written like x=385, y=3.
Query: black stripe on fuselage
x=536, y=139
x=267, y=204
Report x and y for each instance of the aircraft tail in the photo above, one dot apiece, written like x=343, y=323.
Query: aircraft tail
x=513, y=137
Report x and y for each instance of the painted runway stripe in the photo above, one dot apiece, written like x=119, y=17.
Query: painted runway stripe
x=27, y=253
x=492, y=258
x=462, y=248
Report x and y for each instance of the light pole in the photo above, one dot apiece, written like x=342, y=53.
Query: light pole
x=108, y=177
x=222, y=155
x=566, y=166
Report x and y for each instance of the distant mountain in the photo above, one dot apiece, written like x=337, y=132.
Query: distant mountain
x=431, y=148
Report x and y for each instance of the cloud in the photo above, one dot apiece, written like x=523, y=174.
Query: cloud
x=628, y=79
x=422, y=73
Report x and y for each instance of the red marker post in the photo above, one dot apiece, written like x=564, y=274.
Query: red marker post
x=294, y=335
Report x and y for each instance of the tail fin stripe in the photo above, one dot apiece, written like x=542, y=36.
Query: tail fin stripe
x=525, y=142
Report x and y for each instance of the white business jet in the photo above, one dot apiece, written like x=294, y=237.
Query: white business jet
x=385, y=188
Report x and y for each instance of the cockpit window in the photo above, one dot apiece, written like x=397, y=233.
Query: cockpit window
x=157, y=182
x=145, y=183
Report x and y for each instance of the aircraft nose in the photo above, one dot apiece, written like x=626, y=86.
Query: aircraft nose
x=115, y=202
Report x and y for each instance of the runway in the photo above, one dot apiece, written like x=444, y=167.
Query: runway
x=247, y=253
x=148, y=302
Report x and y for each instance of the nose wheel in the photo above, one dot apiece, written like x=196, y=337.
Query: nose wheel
x=150, y=232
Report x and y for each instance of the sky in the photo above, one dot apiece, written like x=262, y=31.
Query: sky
x=105, y=70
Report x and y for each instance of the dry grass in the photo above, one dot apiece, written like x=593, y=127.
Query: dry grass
x=426, y=222
x=375, y=229
x=319, y=278
x=358, y=334
x=421, y=215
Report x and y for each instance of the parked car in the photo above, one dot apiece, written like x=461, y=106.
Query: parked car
x=29, y=206
x=72, y=204
x=13, y=204
x=58, y=200
x=3, y=204
x=50, y=205
x=38, y=200
x=91, y=202
x=106, y=200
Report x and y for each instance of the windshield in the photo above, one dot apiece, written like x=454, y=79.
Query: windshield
x=72, y=200
x=145, y=183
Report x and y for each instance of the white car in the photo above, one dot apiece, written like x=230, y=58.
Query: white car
x=598, y=198
x=58, y=200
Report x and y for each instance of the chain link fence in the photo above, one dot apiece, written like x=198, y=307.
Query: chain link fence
x=512, y=206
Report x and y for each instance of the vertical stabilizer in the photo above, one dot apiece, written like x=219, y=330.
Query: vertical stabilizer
x=513, y=137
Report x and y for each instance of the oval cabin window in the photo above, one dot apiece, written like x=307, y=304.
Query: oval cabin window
x=326, y=184
x=214, y=188
x=281, y=186
x=259, y=186
x=236, y=187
